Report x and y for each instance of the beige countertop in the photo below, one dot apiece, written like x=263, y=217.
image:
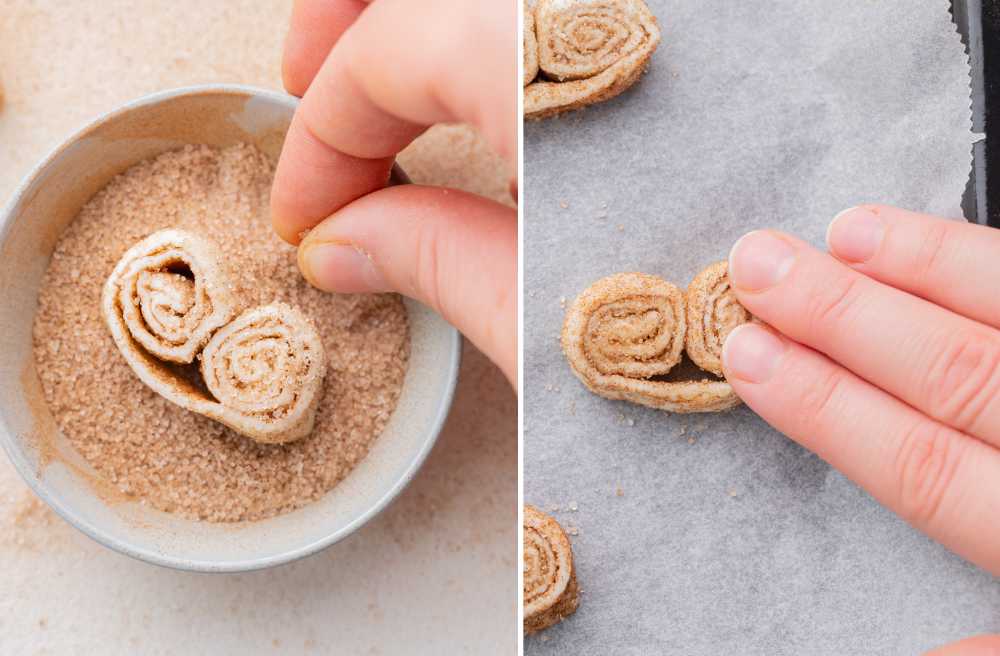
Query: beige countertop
x=435, y=573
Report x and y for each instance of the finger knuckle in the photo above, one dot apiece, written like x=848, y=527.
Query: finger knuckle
x=924, y=467
x=964, y=379
x=830, y=307
x=928, y=256
x=818, y=401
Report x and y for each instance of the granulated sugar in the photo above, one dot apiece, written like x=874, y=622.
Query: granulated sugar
x=147, y=447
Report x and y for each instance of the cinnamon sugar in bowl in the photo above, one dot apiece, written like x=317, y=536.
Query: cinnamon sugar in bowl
x=83, y=450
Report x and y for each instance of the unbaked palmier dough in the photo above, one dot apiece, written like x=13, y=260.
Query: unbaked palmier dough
x=170, y=299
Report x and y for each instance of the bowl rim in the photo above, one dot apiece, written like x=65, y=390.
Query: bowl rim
x=30, y=476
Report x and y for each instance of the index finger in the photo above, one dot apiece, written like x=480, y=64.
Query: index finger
x=400, y=67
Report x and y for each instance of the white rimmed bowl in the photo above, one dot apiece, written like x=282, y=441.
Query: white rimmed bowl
x=30, y=224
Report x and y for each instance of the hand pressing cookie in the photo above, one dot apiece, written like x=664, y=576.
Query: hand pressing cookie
x=550, y=589
x=624, y=333
x=580, y=52
x=169, y=300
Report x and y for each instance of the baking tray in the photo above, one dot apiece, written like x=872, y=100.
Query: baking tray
x=979, y=26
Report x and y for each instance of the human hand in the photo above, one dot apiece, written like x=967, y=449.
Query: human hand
x=373, y=76
x=884, y=359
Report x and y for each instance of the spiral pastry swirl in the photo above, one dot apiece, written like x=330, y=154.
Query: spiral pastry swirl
x=530, y=46
x=713, y=312
x=172, y=294
x=266, y=369
x=550, y=591
x=587, y=51
x=624, y=333
x=634, y=325
x=170, y=300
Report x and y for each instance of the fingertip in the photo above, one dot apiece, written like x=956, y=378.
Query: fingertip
x=298, y=55
x=339, y=266
x=855, y=235
x=735, y=247
x=283, y=230
x=314, y=28
x=290, y=77
x=313, y=180
x=726, y=357
x=752, y=353
x=305, y=266
x=760, y=260
x=282, y=222
x=837, y=217
x=291, y=63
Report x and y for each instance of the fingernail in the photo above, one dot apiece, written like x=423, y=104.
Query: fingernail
x=760, y=260
x=751, y=353
x=340, y=268
x=855, y=235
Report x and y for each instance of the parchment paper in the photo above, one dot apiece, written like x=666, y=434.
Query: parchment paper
x=716, y=535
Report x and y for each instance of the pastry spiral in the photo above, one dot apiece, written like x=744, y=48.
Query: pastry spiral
x=171, y=293
x=530, y=46
x=169, y=300
x=624, y=333
x=587, y=51
x=266, y=369
x=713, y=312
x=550, y=589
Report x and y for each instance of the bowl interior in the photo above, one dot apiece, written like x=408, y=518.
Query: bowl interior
x=33, y=221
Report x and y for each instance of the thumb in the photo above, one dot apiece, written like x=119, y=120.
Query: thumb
x=985, y=645
x=453, y=251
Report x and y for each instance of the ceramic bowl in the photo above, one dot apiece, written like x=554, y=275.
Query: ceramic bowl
x=45, y=203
